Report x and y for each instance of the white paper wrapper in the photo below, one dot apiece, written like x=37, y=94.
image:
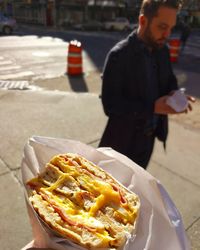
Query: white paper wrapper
x=178, y=101
x=159, y=226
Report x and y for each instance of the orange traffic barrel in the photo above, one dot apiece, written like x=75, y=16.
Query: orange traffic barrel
x=174, y=47
x=74, y=58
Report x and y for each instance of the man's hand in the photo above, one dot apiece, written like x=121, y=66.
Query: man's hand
x=161, y=106
x=191, y=99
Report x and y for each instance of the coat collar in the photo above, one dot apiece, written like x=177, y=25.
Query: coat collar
x=137, y=45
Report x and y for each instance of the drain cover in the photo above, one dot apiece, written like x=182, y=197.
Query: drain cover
x=21, y=85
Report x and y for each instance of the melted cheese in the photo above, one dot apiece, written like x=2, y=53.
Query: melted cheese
x=107, y=194
x=76, y=214
x=64, y=166
x=104, y=190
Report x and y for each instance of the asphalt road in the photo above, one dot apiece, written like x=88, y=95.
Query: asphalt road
x=37, y=55
x=43, y=55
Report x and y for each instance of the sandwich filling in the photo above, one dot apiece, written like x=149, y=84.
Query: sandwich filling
x=83, y=203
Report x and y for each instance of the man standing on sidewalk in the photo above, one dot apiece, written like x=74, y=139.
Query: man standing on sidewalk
x=137, y=80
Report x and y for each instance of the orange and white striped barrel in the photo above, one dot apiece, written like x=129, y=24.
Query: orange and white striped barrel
x=74, y=58
x=174, y=47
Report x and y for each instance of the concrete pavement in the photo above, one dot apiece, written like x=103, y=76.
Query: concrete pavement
x=80, y=117
x=27, y=113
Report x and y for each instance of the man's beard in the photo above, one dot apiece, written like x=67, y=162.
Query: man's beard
x=151, y=42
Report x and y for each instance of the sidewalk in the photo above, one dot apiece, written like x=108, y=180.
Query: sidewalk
x=69, y=115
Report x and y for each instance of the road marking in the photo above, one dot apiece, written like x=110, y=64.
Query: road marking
x=14, y=85
x=16, y=75
x=10, y=67
x=40, y=54
x=5, y=62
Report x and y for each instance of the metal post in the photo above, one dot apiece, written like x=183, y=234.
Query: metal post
x=54, y=14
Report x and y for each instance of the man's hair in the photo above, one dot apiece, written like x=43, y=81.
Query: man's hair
x=149, y=8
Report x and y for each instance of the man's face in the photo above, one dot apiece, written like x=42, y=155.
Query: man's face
x=158, y=29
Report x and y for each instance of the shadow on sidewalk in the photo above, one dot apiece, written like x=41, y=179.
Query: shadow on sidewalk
x=78, y=83
x=187, y=68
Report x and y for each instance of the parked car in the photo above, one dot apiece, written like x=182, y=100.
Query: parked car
x=7, y=24
x=119, y=24
x=89, y=25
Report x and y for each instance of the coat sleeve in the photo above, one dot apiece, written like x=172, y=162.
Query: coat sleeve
x=114, y=100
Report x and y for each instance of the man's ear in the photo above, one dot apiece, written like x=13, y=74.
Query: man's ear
x=142, y=20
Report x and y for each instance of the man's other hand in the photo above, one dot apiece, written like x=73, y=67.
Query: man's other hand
x=161, y=106
x=191, y=100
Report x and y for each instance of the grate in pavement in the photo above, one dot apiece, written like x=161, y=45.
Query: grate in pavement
x=18, y=85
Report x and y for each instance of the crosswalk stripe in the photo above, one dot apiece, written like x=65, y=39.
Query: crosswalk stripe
x=14, y=84
x=16, y=75
x=6, y=84
x=5, y=62
x=10, y=67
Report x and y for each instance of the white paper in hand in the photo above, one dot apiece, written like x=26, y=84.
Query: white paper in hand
x=178, y=101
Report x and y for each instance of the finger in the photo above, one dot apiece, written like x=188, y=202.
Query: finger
x=191, y=98
x=189, y=106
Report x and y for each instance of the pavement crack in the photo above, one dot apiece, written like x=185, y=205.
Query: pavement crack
x=175, y=173
x=92, y=142
x=191, y=225
x=4, y=173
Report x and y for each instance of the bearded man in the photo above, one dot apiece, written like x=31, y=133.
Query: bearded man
x=137, y=80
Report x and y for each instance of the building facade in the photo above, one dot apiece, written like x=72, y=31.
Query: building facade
x=67, y=12
x=62, y=12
